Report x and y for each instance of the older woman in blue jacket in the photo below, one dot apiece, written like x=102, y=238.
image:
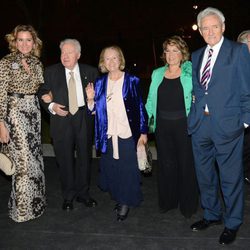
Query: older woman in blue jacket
x=168, y=104
x=120, y=125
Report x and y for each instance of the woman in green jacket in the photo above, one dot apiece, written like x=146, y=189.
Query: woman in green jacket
x=168, y=104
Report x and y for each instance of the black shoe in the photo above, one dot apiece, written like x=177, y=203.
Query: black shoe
x=228, y=236
x=122, y=212
x=117, y=207
x=204, y=224
x=247, y=180
x=87, y=202
x=67, y=205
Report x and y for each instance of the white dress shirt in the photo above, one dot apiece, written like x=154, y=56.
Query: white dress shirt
x=79, y=89
x=216, y=49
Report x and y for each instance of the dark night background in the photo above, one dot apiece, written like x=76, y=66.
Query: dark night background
x=138, y=26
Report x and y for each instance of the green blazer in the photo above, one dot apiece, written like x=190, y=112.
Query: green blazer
x=156, y=79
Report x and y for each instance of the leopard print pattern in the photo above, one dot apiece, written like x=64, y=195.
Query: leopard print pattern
x=15, y=79
x=27, y=199
x=23, y=119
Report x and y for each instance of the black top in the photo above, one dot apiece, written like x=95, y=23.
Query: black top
x=170, y=99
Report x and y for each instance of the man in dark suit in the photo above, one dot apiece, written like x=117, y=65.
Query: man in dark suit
x=244, y=37
x=71, y=129
x=219, y=113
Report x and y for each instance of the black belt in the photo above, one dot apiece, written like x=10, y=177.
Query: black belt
x=81, y=108
x=18, y=95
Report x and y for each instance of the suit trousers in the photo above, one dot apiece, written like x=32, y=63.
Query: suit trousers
x=246, y=153
x=72, y=155
x=209, y=147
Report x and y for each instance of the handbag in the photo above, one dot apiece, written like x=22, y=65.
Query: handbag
x=6, y=164
x=144, y=158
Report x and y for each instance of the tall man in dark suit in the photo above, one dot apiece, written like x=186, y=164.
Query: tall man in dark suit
x=219, y=113
x=244, y=37
x=71, y=129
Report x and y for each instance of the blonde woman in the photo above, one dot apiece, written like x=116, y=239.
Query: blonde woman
x=21, y=74
x=121, y=124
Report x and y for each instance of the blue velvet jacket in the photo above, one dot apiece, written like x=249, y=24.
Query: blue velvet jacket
x=134, y=106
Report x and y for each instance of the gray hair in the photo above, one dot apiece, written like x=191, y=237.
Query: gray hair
x=242, y=38
x=74, y=42
x=208, y=12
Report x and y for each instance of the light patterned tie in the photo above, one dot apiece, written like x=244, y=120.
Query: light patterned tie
x=206, y=73
x=73, y=105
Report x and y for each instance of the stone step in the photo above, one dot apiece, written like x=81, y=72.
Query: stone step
x=49, y=151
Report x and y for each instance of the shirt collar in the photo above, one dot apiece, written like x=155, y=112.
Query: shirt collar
x=75, y=69
x=217, y=46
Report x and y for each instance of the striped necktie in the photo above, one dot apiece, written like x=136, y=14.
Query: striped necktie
x=206, y=73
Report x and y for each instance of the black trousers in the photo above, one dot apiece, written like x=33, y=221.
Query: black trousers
x=177, y=185
x=74, y=171
x=246, y=152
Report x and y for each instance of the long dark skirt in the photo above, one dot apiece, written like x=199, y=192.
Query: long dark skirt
x=121, y=178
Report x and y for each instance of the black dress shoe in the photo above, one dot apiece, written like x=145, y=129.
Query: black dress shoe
x=247, y=180
x=117, y=207
x=67, y=205
x=204, y=224
x=122, y=212
x=227, y=236
x=87, y=202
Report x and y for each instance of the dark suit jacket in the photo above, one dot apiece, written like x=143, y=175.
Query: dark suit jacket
x=55, y=81
x=228, y=94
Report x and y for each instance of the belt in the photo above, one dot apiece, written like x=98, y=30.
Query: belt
x=18, y=95
x=81, y=108
x=206, y=113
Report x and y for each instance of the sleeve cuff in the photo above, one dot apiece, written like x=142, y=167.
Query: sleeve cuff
x=50, y=108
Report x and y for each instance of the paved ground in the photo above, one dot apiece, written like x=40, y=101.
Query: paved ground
x=97, y=228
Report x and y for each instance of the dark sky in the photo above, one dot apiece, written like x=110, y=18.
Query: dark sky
x=137, y=26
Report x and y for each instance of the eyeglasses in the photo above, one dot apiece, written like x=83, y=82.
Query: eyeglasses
x=173, y=51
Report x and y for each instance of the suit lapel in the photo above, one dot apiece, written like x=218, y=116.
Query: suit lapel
x=84, y=79
x=200, y=59
x=221, y=59
x=63, y=84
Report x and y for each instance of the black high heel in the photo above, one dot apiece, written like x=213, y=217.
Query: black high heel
x=122, y=212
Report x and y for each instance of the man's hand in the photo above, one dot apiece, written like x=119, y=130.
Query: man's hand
x=59, y=109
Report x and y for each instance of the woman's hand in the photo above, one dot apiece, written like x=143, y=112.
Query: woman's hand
x=142, y=140
x=4, y=133
x=47, y=98
x=90, y=92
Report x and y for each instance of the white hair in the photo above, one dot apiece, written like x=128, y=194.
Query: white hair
x=208, y=12
x=75, y=42
x=242, y=38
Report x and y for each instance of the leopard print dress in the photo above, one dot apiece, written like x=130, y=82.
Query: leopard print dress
x=23, y=119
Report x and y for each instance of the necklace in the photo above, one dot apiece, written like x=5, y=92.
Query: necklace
x=110, y=92
x=111, y=85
